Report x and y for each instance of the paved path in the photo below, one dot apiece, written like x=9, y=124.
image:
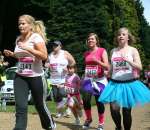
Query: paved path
x=141, y=120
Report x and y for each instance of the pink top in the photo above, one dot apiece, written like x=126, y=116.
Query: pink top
x=73, y=81
x=92, y=69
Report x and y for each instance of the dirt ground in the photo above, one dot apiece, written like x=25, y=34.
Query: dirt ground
x=141, y=120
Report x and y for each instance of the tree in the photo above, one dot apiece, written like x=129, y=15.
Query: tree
x=72, y=20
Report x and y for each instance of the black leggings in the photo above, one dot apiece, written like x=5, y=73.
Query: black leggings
x=87, y=102
x=37, y=85
x=116, y=116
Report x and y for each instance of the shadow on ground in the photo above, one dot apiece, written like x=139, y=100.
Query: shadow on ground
x=71, y=126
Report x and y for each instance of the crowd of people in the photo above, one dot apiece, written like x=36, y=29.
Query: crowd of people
x=115, y=82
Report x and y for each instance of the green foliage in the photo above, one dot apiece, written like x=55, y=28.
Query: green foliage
x=72, y=20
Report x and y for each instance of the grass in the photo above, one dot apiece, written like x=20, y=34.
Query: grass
x=31, y=108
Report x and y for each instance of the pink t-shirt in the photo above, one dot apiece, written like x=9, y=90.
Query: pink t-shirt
x=73, y=82
x=73, y=87
x=92, y=69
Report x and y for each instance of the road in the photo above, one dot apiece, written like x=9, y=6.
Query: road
x=141, y=120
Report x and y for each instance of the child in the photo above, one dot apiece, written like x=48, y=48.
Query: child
x=72, y=87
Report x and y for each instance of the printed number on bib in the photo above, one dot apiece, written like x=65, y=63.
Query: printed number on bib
x=122, y=65
x=25, y=66
x=91, y=71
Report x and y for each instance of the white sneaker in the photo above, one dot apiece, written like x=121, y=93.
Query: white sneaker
x=77, y=122
x=86, y=124
x=58, y=115
x=67, y=113
x=100, y=127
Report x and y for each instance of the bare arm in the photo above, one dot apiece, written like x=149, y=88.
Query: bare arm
x=136, y=63
x=70, y=58
x=111, y=66
x=38, y=51
x=104, y=63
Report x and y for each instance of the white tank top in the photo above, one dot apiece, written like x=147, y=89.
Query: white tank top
x=122, y=70
x=57, y=65
x=29, y=65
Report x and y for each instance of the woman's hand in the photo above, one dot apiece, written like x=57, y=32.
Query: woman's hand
x=65, y=70
x=8, y=53
x=47, y=65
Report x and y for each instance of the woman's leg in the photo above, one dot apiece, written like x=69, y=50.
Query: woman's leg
x=87, y=108
x=116, y=116
x=38, y=90
x=21, y=91
x=127, y=118
x=87, y=105
x=101, y=109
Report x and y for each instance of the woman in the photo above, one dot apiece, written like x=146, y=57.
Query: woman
x=30, y=51
x=124, y=89
x=96, y=61
x=58, y=60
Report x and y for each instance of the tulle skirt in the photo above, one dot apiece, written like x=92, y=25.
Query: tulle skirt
x=92, y=87
x=128, y=94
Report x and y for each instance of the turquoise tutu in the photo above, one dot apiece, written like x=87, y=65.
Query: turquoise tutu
x=127, y=94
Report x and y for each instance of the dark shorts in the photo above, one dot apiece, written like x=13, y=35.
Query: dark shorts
x=58, y=93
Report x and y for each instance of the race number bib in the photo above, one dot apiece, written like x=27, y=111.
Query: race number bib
x=56, y=71
x=91, y=71
x=69, y=89
x=121, y=66
x=25, y=66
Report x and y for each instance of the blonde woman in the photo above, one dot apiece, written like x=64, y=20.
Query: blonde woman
x=30, y=50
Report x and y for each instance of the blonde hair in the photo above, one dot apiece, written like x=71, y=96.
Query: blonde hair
x=130, y=36
x=96, y=37
x=37, y=26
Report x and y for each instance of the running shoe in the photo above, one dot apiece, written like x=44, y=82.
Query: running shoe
x=100, y=127
x=118, y=128
x=58, y=115
x=86, y=124
x=77, y=121
x=67, y=113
